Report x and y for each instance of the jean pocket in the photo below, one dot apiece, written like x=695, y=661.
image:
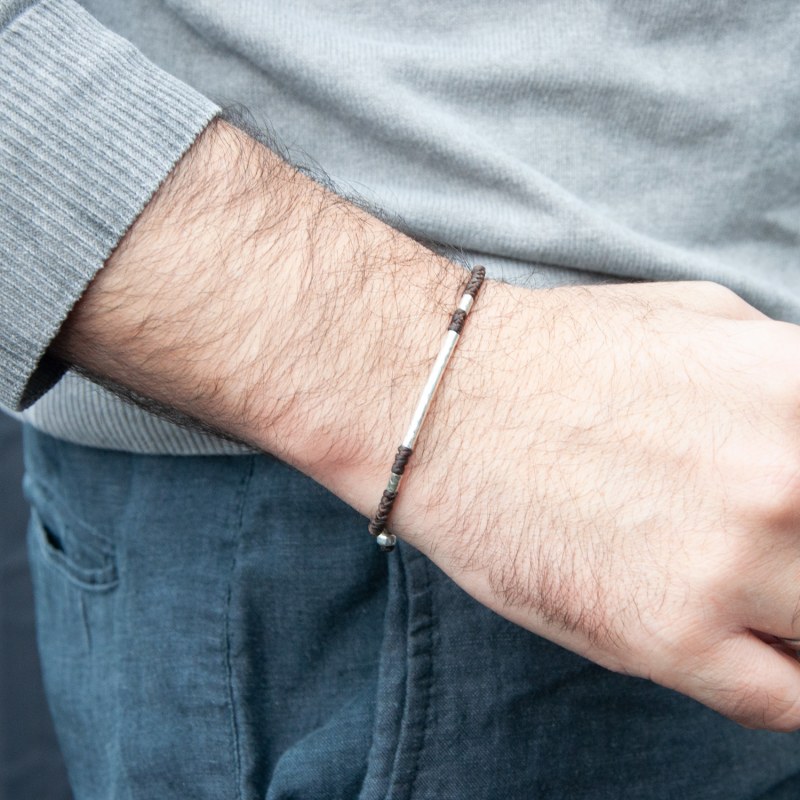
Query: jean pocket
x=83, y=556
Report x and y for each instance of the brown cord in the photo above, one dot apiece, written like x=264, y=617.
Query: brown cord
x=401, y=459
x=378, y=524
x=457, y=322
x=475, y=281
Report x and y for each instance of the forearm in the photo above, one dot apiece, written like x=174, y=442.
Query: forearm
x=250, y=297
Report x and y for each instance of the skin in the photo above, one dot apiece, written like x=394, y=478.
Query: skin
x=614, y=468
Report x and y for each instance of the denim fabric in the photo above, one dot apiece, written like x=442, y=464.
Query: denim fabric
x=30, y=762
x=223, y=627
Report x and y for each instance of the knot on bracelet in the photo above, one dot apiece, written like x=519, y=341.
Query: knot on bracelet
x=378, y=523
x=401, y=459
x=457, y=322
x=475, y=281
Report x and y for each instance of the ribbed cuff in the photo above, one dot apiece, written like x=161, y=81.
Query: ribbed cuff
x=88, y=131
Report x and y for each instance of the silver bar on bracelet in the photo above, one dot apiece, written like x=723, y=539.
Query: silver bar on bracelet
x=386, y=540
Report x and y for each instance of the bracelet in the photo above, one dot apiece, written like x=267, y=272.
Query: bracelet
x=377, y=526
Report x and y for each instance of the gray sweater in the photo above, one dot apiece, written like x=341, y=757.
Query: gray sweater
x=556, y=141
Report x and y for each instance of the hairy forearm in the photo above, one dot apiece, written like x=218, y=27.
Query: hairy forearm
x=253, y=299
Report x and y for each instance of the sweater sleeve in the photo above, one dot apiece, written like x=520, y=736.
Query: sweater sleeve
x=89, y=129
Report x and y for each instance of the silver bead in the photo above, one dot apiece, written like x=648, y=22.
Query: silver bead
x=386, y=540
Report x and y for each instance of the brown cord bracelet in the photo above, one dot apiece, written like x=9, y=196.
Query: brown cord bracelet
x=377, y=526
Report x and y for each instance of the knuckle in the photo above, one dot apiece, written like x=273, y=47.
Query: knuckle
x=722, y=298
x=776, y=501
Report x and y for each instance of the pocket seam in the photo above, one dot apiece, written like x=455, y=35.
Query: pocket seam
x=38, y=494
x=100, y=579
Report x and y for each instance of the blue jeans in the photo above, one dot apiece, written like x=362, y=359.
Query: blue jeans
x=223, y=627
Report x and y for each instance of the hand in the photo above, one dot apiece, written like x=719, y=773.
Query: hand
x=618, y=470
x=615, y=468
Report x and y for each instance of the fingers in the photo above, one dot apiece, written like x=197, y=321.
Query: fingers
x=750, y=682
